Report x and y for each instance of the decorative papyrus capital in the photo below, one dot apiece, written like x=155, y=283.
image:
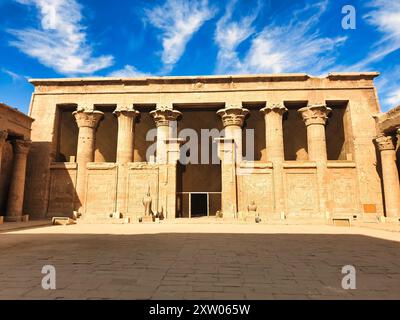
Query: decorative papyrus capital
x=386, y=143
x=315, y=114
x=128, y=111
x=3, y=136
x=89, y=119
x=85, y=107
x=163, y=115
x=21, y=146
x=233, y=115
x=274, y=107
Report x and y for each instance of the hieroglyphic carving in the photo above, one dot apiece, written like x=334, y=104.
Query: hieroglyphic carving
x=139, y=183
x=301, y=193
x=343, y=190
x=62, y=192
x=101, y=185
x=258, y=188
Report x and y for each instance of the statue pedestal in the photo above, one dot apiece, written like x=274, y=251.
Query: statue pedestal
x=147, y=219
x=250, y=217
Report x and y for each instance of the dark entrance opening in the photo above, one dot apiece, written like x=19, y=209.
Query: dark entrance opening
x=199, y=204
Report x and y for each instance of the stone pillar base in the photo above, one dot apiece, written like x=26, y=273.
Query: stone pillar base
x=23, y=218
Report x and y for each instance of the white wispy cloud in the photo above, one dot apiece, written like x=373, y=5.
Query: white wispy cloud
x=388, y=85
x=384, y=15
x=128, y=71
x=229, y=34
x=292, y=46
x=393, y=98
x=14, y=76
x=60, y=41
x=178, y=20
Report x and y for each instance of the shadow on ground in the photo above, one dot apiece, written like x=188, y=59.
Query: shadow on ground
x=198, y=266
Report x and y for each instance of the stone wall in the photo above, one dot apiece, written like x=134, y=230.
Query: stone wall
x=62, y=189
x=301, y=197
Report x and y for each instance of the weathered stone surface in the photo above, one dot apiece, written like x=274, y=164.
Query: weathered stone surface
x=309, y=186
x=14, y=147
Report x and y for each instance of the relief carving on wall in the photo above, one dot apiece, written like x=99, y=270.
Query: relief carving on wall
x=301, y=194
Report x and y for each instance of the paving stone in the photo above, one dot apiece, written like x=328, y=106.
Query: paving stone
x=193, y=263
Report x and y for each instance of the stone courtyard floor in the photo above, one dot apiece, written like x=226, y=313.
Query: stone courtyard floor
x=199, y=261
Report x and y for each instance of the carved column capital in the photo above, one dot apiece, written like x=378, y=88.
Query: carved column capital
x=274, y=107
x=85, y=107
x=233, y=115
x=386, y=143
x=3, y=136
x=125, y=110
x=162, y=116
x=21, y=146
x=315, y=114
x=89, y=119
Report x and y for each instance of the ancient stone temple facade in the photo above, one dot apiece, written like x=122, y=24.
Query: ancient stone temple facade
x=287, y=146
x=15, y=132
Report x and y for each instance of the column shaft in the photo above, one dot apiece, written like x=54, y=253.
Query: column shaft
x=126, y=133
x=16, y=192
x=230, y=154
x=316, y=142
x=165, y=118
x=273, y=114
x=315, y=117
x=390, y=176
x=3, y=137
x=87, y=122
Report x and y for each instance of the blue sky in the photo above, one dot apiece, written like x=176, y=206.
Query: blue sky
x=81, y=38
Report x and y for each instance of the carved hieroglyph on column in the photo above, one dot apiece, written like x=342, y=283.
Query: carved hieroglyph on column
x=87, y=122
x=273, y=115
x=390, y=175
x=16, y=192
x=3, y=137
x=315, y=117
x=126, y=132
x=232, y=119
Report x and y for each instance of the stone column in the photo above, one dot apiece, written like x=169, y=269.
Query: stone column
x=230, y=153
x=16, y=192
x=165, y=118
x=3, y=137
x=87, y=121
x=273, y=114
x=173, y=147
x=229, y=198
x=390, y=175
x=126, y=132
x=125, y=149
x=315, y=117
